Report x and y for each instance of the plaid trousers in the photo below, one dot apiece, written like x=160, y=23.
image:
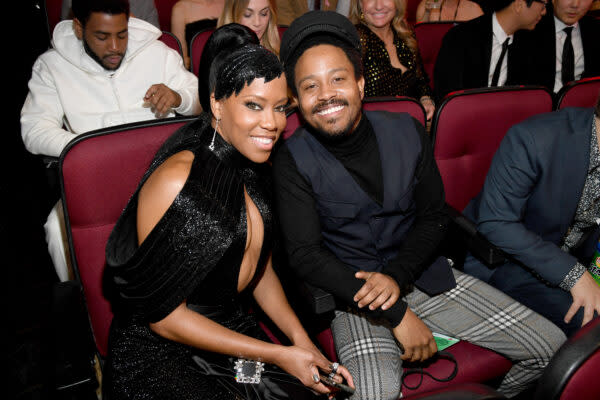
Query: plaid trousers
x=472, y=311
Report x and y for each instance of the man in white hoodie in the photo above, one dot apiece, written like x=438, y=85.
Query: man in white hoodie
x=104, y=69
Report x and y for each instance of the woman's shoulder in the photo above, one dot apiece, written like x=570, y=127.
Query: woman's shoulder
x=160, y=190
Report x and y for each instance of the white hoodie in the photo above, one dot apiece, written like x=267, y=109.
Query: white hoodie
x=69, y=89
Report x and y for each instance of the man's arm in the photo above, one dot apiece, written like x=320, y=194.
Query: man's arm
x=307, y=254
x=430, y=224
x=182, y=81
x=510, y=181
x=42, y=115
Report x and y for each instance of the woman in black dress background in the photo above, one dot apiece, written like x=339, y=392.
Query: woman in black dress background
x=192, y=251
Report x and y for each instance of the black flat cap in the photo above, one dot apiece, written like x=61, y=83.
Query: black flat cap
x=317, y=22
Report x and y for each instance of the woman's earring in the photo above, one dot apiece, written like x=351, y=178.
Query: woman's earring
x=362, y=16
x=211, y=146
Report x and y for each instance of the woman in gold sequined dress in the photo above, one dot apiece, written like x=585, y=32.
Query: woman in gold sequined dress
x=392, y=65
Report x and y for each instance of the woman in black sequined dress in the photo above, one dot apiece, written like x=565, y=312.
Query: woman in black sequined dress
x=192, y=249
x=392, y=65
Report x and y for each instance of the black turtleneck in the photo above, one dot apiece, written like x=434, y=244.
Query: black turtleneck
x=296, y=206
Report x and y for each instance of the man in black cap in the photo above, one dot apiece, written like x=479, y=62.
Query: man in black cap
x=360, y=202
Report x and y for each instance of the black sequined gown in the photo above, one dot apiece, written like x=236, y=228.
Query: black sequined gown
x=194, y=254
x=381, y=79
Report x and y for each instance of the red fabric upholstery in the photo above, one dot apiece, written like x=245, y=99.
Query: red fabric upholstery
x=468, y=127
x=163, y=7
x=196, y=48
x=411, y=11
x=573, y=371
x=583, y=385
x=581, y=93
x=99, y=173
x=53, y=14
x=171, y=40
x=429, y=40
x=396, y=104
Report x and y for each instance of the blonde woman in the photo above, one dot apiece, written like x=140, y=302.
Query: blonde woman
x=189, y=17
x=392, y=65
x=258, y=15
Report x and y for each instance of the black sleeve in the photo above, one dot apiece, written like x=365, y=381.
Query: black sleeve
x=429, y=228
x=301, y=230
x=448, y=68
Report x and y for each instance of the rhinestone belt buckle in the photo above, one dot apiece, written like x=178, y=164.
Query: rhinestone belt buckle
x=248, y=371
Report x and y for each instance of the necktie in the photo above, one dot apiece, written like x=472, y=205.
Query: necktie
x=568, y=58
x=499, y=64
x=317, y=5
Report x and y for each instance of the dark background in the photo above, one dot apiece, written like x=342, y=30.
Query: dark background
x=27, y=272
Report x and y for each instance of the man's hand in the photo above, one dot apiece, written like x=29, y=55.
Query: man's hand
x=162, y=99
x=379, y=290
x=415, y=337
x=586, y=294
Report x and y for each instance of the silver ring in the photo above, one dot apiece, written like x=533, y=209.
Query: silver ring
x=334, y=368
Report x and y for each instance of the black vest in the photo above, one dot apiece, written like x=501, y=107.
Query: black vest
x=361, y=233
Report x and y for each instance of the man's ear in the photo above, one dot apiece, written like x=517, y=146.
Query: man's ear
x=78, y=28
x=361, y=87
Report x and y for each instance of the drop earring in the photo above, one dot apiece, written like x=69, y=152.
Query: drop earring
x=211, y=146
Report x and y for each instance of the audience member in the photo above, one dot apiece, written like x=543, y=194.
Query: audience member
x=258, y=15
x=541, y=205
x=105, y=69
x=188, y=17
x=183, y=314
x=141, y=9
x=392, y=64
x=361, y=206
x=289, y=10
x=448, y=10
x=485, y=51
x=565, y=45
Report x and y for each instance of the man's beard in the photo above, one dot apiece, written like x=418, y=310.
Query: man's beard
x=96, y=58
x=329, y=135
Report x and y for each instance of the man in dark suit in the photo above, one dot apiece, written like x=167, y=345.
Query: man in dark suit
x=541, y=204
x=484, y=52
x=566, y=44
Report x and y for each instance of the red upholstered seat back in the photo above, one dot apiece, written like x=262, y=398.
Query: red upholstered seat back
x=163, y=8
x=393, y=104
x=196, y=48
x=100, y=171
x=429, y=40
x=582, y=93
x=396, y=104
x=171, y=40
x=53, y=14
x=468, y=127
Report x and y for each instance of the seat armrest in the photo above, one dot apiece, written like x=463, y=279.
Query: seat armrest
x=476, y=243
x=319, y=300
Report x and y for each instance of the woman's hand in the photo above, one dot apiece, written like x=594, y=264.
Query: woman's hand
x=429, y=106
x=307, y=364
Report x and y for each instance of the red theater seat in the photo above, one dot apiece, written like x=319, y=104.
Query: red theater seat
x=572, y=372
x=196, y=47
x=171, y=40
x=99, y=171
x=581, y=93
x=467, y=129
x=429, y=40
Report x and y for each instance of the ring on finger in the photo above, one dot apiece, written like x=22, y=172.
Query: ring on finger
x=334, y=367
